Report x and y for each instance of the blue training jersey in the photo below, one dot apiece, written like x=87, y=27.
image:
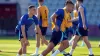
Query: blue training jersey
x=60, y=16
x=80, y=18
x=25, y=20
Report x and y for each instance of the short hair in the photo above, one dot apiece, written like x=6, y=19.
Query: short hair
x=69, y=2
x=80, y=0
x=40, y=0
x=31, y=6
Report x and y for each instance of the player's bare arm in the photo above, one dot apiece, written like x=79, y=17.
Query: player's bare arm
x=53, y=17
x=38, y=29
x=38, y=13
x=24, y=35
x=74, y=19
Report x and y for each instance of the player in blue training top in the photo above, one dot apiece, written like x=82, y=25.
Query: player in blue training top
x=25, y=22
x=82, y=29
x=60, y=20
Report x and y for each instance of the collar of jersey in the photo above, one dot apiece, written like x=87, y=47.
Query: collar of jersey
x=30, y=18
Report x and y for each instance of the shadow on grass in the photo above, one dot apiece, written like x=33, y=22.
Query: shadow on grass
x=11, y=52
x=88, y=54
x=16, y=38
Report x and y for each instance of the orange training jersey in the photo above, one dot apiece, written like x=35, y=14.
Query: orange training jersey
x=43, y=21
x=65, y=24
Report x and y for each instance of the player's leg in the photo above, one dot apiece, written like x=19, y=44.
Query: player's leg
x=56, y=36
x=72, y=31
x=63, y=45
x=82, y=44
x=44, y=41
x=20, y=37
x=24, y=47
x=74, y=44
x=48, y=49
x=20, y=50
x=71, y=41
x=85, y=38
x=37, y=45
x=24, y=44
x=38, y=39
x=79, y=32
x=44, y=30
x=84, y=34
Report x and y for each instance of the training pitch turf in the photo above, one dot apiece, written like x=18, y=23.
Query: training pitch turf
x=10, y=45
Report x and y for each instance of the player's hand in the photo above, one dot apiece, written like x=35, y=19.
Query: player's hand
x=69, y=20
x=38, y=31
x=84, y=26
x=26, y=42
x=56, y=28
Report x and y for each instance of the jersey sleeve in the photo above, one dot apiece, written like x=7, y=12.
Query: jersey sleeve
x=23, y=20
x=35, y=20
x=58, y=12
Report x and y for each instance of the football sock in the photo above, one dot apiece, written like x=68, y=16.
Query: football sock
x=82, y=43
x=24, y=54
x=71, y=51
x=70, y=42
x=18, y=55
x=37, y=49
x=90, y=51
x=55, y=53
x=40, y=55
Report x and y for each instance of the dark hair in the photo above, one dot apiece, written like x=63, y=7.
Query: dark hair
x=31, y=6
x=40, y=0
x=80, y=0
x=69, y=2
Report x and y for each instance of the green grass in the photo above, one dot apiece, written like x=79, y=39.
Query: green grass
x=10, y=46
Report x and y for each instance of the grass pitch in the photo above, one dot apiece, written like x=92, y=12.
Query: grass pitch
x=10, y=45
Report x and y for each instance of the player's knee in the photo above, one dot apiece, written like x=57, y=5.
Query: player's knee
x=24, y=45
x=50, y=48
x=66, y=45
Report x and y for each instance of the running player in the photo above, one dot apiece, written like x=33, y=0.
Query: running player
x=60, y=20
x=82, y=29
x=25, y=22
x=42, y=15
x=75, y=25
x=73, y=28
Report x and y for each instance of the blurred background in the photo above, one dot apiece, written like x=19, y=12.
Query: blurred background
x=12, y=10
